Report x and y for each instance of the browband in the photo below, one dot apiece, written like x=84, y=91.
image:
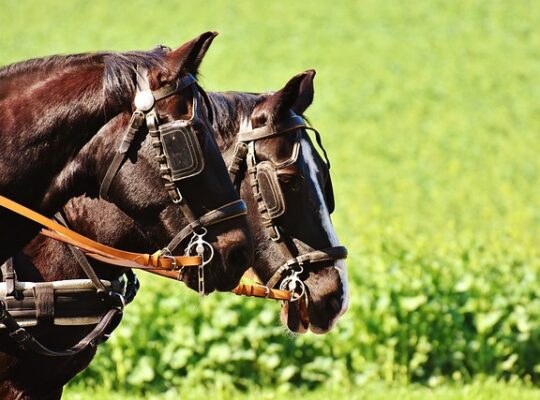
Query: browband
x=263, y=132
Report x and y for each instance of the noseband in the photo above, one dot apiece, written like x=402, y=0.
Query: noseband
x=179, y=156
x=272, y=205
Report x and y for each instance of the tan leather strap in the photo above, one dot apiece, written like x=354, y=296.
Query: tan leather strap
x=250, y=290
x=97, y=250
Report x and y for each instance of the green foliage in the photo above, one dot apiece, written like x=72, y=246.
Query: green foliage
x=481, y=389
x=429, y=111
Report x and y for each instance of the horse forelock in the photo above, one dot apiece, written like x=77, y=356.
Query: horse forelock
x=120, y=71
x=232, y=111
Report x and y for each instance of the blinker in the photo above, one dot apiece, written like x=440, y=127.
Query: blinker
x=182, y=149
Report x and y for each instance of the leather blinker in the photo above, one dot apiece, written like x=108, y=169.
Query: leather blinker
x=182, y=150
x=270, y=189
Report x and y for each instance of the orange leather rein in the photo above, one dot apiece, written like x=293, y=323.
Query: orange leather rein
x=100, y=251
x=163, y=265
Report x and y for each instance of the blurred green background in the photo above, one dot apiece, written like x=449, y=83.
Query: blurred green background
x=430, y=111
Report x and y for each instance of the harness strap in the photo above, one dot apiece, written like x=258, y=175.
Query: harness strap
x=251, y=290
x=24, y=338
x=44, y=295
x=135, y=124
x=93, y=248
x=9, y=276
x=240, y=153
x=83, y=261
x=234, y=209
x=264, y=132
x=313, y=257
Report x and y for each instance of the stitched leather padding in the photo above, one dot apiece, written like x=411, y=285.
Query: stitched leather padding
x=270, y=189
x=181, y=147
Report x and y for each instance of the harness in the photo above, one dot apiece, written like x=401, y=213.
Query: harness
x=271, y=202
x=24, y=304
x=179, y=156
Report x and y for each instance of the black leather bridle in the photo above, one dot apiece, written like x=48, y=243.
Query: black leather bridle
x=145, y=114
x=271, y=202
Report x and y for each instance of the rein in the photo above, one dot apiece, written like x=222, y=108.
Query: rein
x=97, y=250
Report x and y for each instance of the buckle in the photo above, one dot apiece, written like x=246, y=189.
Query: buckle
x=21, y=336
x=180, y=198
x=166, y=253
x=276, y=238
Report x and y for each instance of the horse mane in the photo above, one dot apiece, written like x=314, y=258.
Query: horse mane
x=225, y=104
x=119, y=75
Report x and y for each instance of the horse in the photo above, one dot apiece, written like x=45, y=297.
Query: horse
x=52, y=109
x=302, y=183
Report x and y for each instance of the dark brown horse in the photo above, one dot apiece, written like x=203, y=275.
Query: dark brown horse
x=306, y=221
x=52, y=109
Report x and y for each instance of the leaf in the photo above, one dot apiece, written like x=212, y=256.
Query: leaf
x=412, y=303
x=143, y=372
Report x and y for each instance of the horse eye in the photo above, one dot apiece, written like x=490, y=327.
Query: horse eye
x=291, y=181
x=287, y=178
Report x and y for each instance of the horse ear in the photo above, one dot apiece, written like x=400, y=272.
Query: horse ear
x=186, y=58
x=297, y=95
x=305, y=93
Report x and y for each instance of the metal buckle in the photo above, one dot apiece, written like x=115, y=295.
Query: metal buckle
x=166, y=253
x=278, y=235
x=180, y=198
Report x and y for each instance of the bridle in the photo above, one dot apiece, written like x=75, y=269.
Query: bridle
x=271, y=202
x=179, y=157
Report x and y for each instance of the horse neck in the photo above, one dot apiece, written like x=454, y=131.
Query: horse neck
x=48, y=260
x=47, y=116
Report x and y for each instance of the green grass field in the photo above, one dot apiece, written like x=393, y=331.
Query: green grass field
x=430, y=111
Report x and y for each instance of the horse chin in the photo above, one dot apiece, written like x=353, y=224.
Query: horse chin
x=215, y=277
x=191, y=279
x=295, y=316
